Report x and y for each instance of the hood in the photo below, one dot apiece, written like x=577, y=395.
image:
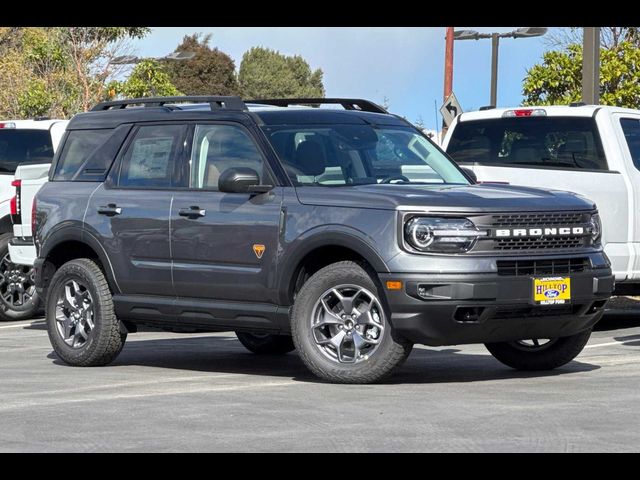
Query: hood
x=460, y=198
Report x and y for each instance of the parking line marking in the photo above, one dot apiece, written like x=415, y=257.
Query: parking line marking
x=603, y=344
x=109, y=397
x=18, y=325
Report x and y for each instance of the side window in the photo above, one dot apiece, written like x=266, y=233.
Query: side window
x=631, y=129
x=150, y=158
x=217, y=148
x=87, y=155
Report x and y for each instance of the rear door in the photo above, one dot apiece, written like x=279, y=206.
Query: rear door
x=129, y=213
x=630, y=139
x=224, y=245
x=548, y=152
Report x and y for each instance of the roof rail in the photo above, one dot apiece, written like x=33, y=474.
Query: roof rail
x=487, y=107
x=347, y=103
x=216, y=102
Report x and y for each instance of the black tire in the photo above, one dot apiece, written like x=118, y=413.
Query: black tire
x=391, y=350
x=266, y=344
x=106, y=339
x=555, y=354
x=10, y=310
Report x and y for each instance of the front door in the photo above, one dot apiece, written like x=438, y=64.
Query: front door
x=224, y=245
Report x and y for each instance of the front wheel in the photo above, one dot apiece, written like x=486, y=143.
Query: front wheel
x=341, y=328
x=539, y=354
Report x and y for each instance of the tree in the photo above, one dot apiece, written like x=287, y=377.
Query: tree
x=58, y=71
x=209, y=72
x=610, y=37
x=558, y=79
x=265, y=73
x=148, y=79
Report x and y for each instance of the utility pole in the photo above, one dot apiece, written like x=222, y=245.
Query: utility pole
x=591, y=65
x=495, y=43
x=448, y=70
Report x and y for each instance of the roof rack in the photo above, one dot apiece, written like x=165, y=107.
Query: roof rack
x=347, y=103
x=216, y=102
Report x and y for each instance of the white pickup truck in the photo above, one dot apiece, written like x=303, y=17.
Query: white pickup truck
x=26, y=149
x=591, y=150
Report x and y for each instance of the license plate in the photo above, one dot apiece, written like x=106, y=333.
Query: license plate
x=551, y=290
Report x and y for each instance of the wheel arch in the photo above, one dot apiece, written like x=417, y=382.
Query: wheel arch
x=70, y=243
x=319, y=249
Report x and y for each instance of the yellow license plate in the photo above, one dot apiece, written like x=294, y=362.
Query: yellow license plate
x=551, y=290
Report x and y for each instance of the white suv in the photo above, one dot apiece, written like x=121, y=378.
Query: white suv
x=26, y=142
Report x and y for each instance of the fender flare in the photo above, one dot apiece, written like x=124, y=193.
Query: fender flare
x=78, y=234
x=325, y=236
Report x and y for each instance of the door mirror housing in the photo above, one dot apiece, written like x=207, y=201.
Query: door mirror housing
x=241, y=180
x=470, y=173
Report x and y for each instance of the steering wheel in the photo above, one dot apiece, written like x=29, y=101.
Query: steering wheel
x=390, y=178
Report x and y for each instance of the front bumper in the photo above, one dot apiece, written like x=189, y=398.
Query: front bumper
x=484, y=308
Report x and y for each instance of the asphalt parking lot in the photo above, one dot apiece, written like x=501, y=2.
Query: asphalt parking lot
x=204, y=392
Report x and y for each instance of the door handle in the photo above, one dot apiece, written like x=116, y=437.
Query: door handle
x=192, y=212
x=109, y=210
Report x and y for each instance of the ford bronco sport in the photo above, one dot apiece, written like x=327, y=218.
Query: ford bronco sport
x=341, y=232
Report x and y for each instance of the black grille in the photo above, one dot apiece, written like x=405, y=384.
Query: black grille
x=539, y=243
x=539, y=219
x=564, y=266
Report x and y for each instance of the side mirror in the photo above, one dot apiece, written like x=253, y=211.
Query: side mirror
x=241, y=180
x=470, y=173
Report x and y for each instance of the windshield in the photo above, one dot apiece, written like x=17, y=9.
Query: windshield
x=564, y=142
x=339, y=155
x=18, y=146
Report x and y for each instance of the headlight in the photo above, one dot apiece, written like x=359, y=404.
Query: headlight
x=595, y=226
x=441, y=235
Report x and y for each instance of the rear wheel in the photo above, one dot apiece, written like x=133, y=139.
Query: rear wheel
x=81, y=322
x=341, y=328
x=18, y=297
x=265, y=343
x=539, y=354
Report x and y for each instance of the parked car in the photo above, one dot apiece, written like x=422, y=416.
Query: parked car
x=345, y=234
x=592, y=150
x=27, y=142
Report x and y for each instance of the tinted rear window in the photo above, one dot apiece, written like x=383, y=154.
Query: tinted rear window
x=87, y=155
x=554, y=142
x=23, y=145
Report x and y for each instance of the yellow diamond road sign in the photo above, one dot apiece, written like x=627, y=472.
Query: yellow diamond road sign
x=450, y=109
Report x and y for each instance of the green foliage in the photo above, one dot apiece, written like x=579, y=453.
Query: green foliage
x=266, y=73
x=148, y=79
x=209, y=72
x=58, y=71
x=558, y=79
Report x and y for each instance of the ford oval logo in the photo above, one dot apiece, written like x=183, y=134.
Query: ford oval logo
x=551, y=293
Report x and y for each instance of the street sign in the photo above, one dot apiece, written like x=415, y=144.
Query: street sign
x=450, y=109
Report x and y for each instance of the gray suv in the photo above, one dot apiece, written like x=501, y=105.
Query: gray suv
x=343, y=233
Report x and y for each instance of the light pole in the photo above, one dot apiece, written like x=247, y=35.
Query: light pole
x=525, y=32
x=129, y=59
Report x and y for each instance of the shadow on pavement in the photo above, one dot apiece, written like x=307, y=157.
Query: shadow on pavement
x=629, y=340
x=618, y=319
x=226, y=355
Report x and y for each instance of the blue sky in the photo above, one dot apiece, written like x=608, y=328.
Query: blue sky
x=404, y=64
